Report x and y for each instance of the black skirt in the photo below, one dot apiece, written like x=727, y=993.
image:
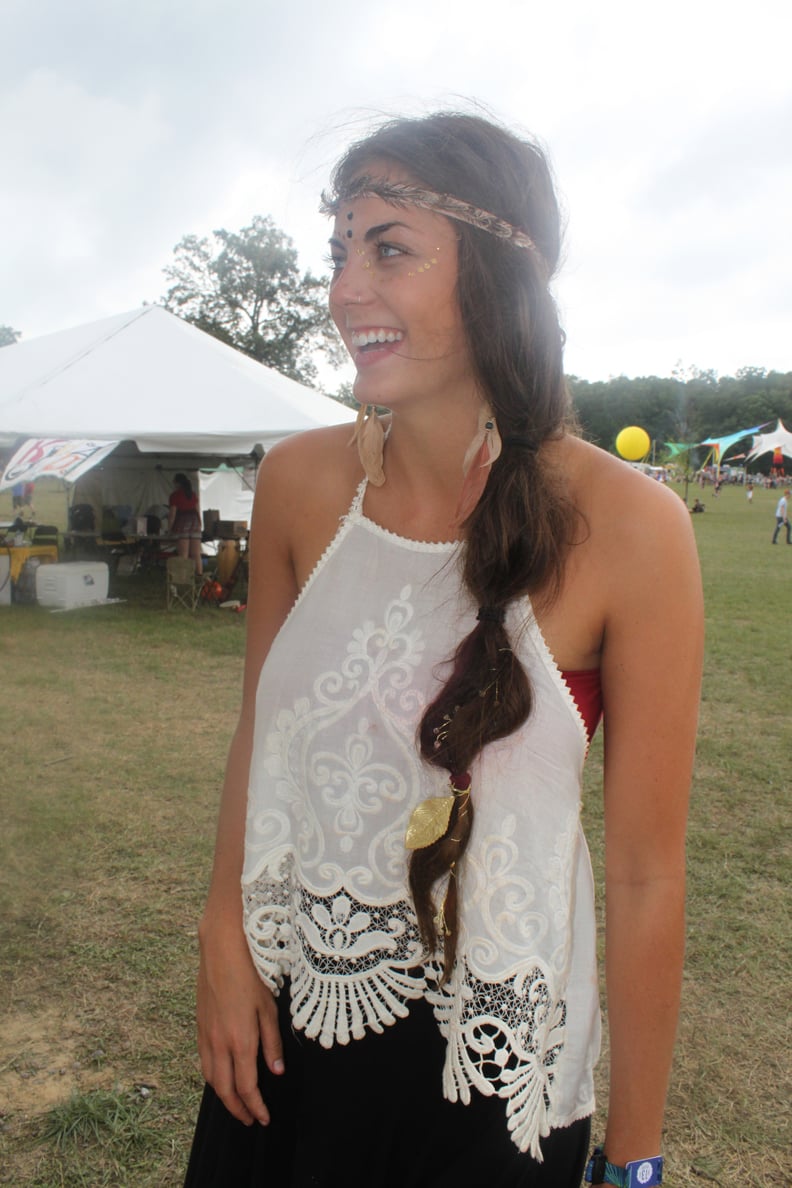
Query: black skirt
x=371, y=1114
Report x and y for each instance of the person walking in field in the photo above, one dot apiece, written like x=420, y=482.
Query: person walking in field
x=782, y=518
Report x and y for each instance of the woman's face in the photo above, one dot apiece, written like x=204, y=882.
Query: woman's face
x=393, y=298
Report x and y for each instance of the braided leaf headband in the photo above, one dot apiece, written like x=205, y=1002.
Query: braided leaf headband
x=406, y=194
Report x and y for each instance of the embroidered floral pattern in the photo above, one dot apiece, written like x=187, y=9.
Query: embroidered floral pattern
x=515, y=915
x=505, y=1038
x=361, y=795
x=266, y=907
x=352, y=966
x=357, y=969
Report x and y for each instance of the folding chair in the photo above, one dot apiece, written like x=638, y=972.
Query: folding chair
x=182, y=583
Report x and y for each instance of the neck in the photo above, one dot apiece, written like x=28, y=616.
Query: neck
x=426, y=446
x=423, y=460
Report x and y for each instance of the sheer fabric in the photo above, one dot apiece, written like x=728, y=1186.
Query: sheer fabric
x=335, y=774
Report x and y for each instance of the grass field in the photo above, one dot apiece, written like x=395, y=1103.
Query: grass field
x=115, y=726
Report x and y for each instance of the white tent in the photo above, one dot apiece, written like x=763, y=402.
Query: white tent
x=766, y=443
x=150, y=378
x=228, y=491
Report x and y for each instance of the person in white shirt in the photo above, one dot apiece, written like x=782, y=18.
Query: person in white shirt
x=782, y=518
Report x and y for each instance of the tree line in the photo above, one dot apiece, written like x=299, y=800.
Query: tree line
x=688, y=407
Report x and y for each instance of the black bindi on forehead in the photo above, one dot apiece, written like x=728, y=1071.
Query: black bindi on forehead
x=350, y=216
x=349, y=233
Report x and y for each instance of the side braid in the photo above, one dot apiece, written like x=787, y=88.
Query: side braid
x=488, y=694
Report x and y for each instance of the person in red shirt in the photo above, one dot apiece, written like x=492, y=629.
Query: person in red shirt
x=184, y=520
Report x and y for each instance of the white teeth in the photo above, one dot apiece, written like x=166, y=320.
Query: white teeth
x=367, y=337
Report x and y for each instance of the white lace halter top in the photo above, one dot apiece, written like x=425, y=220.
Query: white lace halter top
x=335, y=774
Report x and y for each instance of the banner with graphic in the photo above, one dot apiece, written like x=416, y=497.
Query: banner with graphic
x=54, y=457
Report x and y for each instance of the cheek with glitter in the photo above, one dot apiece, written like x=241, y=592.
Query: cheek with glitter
x=426, y=266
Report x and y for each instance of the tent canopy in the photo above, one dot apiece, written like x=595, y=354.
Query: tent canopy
x=150, y=378
x=765, y=443
x=721, y=445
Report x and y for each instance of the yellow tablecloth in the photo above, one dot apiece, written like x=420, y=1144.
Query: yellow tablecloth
x=19, y=556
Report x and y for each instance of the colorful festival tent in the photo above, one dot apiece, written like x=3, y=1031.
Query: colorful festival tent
x=721, y=445
x=766, y=443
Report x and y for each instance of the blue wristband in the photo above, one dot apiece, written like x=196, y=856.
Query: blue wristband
x=639, y=1173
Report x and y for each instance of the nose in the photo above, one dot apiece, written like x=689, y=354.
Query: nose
x=352, y=284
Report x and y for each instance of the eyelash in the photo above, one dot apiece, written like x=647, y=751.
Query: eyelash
x=336, y=263
x=390, y=247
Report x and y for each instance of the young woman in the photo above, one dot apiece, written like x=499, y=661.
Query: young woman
x=184, y=520
x=436, y=620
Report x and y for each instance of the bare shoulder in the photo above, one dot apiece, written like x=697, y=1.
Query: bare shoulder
x=635, y=546
x=309, y=457
x=319, y=465
x=617, y=501
x=305, y=485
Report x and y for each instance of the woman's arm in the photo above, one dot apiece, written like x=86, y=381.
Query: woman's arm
x=651, y=671
x=236, y=1011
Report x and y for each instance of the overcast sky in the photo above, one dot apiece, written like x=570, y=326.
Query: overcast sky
x=126, y=124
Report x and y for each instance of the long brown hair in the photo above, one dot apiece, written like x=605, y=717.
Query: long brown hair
x=518, y=534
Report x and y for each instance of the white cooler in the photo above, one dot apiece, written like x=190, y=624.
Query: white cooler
x=75, y=583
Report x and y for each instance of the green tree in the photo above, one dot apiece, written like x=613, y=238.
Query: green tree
x=245, y=288
x=344, y=395
x=8, y=336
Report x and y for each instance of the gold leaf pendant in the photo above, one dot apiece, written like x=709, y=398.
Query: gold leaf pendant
x=428, y=822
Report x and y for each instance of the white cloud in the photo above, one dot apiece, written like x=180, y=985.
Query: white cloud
x=127, y=126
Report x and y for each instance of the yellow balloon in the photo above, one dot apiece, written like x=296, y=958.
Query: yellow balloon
x=633, y=443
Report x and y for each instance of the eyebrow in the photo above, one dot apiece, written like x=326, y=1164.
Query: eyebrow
x=381, y=228
x=371, y=234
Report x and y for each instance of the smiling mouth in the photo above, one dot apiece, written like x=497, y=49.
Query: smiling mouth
x=366, y=339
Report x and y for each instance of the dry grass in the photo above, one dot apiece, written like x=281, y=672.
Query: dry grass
x=116, y=721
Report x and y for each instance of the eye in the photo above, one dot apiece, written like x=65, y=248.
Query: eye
x=389, y=251
x=336, y=256
x=335, y=261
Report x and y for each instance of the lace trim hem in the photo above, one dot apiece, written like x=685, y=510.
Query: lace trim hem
x=505, y=1039
x=354, y=967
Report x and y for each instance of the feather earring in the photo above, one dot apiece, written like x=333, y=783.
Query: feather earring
x=484, y=449
x=369, y=437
